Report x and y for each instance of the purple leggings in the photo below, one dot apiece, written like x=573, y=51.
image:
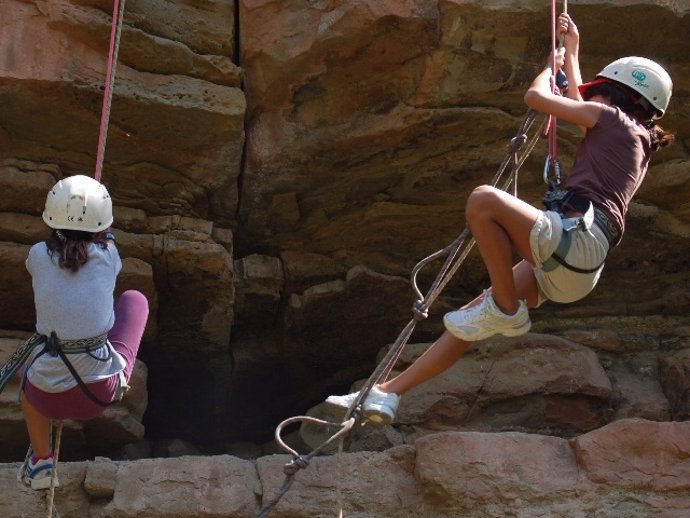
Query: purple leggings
x=131, y=313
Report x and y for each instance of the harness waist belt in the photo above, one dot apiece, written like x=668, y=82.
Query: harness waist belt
x=83, y=345
x=562, y=200
x=607, y=226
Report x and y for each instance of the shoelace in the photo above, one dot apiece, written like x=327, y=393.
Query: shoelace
x=478, y=308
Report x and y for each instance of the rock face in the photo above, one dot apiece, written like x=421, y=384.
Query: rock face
x=632, y=468
x=277, y=169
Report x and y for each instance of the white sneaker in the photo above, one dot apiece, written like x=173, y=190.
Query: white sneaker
x=37, y=476
x=486, y=319
x=379, y=407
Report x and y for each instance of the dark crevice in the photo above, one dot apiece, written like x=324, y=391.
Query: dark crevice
x=243, y=159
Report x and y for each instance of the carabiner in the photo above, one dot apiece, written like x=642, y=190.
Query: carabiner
x=548, y=164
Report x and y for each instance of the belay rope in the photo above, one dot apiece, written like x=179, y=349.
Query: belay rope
x=455, y=254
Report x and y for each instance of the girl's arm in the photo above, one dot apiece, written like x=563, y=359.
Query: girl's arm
x=540, y=97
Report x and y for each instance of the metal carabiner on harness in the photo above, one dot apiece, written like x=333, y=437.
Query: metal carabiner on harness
x=553, y=182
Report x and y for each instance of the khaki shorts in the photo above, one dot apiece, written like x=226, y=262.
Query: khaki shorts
x=588, y=250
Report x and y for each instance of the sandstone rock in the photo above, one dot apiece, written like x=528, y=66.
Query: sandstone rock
x=101, y=476
x=350, y=482
x=155, y=75
x=638, y=390
x=21, y=228
x=632, y=468
x=637, y=454
x=259, y=280
x=675, y=379
x=168, y=488
x=463, y=472
x=16, y=295
x=28, y=183
x=301, y=266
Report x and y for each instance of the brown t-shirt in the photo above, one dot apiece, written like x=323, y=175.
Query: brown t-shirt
x=611, y=163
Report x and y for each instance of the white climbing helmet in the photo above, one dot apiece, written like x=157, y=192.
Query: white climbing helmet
x=78, y=203
x=645, y=77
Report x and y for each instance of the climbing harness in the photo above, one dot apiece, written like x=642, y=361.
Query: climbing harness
x=56, y=347
x=559, y=200
x=18, y=358
x=53, y=346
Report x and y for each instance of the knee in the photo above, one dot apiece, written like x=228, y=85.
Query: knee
x=135, y=299
x=479, y=201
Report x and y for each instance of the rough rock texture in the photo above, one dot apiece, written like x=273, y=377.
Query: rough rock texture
x=278, y=168
x=631, y=468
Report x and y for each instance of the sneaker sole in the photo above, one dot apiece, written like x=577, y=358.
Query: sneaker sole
x=43, y=483
x=378, y=416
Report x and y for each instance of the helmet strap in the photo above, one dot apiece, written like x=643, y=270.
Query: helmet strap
x=61, y=235
x=647, y=106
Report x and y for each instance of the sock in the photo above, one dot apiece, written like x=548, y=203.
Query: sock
x=34, y=459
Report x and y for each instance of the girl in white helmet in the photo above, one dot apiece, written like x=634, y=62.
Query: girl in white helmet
x=89, y=344
x=564, y=248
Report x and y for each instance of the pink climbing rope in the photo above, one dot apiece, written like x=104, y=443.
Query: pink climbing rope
x=116, y=30
x=552, y=126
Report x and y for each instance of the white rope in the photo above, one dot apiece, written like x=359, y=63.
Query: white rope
x=53, y=476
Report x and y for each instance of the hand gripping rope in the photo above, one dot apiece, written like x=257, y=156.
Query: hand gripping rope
x=455, y=254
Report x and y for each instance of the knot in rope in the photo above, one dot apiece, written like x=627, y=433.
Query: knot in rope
x=420, y=309
x=517, y=142
x=296, y=464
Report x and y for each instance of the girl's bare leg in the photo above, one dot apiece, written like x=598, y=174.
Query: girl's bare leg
x=448, y=349
x=501, y=224
x=38, y=427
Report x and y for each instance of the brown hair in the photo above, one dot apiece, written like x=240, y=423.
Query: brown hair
x=629, y=102
x=72, y=247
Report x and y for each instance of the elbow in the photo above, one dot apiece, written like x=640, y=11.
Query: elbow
x=531, y=98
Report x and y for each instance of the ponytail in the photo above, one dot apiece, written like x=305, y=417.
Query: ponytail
x=659, y=137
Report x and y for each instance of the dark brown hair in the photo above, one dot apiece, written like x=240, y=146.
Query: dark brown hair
x=629, y=102
x=72, y=247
